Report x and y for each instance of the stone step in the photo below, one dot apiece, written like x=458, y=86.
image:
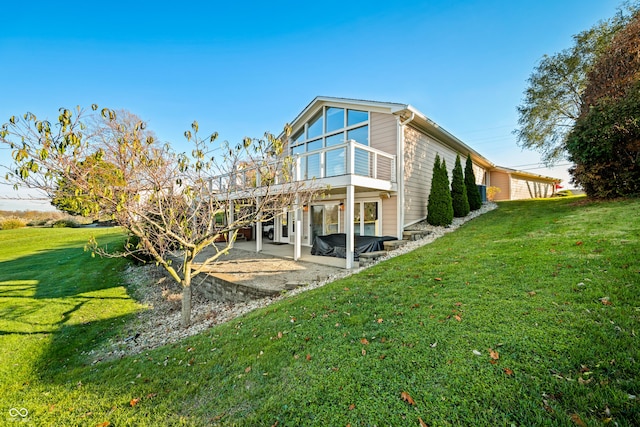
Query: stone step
x=390, y=245
x=368, y=258
x=415, y=234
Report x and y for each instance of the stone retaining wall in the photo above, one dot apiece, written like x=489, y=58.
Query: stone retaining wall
x=217, y=288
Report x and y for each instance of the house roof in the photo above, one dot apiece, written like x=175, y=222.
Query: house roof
x=525, y=174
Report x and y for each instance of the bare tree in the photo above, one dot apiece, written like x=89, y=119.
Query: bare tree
x=172, y=204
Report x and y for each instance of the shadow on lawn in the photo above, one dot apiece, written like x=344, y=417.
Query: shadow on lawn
x=77, y=300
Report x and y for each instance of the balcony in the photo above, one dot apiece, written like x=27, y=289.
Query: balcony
x=349, y=163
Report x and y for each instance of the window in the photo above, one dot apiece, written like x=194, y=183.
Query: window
x=335, y=118
x=314, y=145
x=330, y=127
x=335, y=139
x=360, y=135
x=298, y=136
x=315, y=126
x=356, y=116
x=335, y=162
x=366, y=219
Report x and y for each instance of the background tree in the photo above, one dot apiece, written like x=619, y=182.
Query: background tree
x=166, y=200
x=605, y=143
x=439, y=207
x=73, y=199
x=473, y=194
x=459, y=198
x=552, y=101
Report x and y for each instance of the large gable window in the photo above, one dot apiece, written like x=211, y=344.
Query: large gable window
x=331, y=126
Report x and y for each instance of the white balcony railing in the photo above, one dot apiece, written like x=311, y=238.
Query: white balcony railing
x=349, y=158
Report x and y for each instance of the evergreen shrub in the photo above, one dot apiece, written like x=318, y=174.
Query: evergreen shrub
x=473, y=194
x=440, y=205
x=459, y=191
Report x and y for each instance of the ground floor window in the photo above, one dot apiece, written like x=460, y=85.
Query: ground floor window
x=365, y=219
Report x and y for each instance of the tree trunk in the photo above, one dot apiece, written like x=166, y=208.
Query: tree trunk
x=186, y=306
x=186, y=294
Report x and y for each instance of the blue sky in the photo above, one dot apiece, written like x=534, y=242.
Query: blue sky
x=245, y=67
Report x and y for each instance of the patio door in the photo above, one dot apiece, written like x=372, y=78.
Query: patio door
x=281, y=227
x=325, y=219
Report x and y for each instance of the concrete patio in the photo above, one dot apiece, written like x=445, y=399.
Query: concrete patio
x=286, y=251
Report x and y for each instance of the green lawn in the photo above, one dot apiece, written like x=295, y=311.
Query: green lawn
x=528, y=315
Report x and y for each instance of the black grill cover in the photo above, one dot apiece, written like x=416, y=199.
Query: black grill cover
x=335, y=245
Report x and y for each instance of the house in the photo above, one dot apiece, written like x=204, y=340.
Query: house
x=375, y=159
x=518, y=185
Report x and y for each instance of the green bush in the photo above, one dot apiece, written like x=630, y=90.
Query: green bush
x=473, y=194
x=440, y=204
x=459, y=191
x=65, y=223
x=605, y=147
x=12, y=223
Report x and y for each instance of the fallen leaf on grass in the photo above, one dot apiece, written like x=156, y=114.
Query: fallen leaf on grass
x=532, y=293
x=579, y=242
x=364, y=352
x=577, y=420
x=458, y=318
x=494, y=354
x=352, y=407
x=422, y=423
x=508, y=371
x=134, y=401
x=605, y=301
x=438, y=279
x=364, y=341
x=407, y=398
x=104, y=424
x=582, y=381
x=380, y=320
x=247, y=369
x=308, y=357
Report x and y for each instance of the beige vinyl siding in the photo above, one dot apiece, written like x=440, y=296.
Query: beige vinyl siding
x=419, y=154
x=389, y=216
x=502, y=181
x=529, y=188
x=383, y=132
x=480, y=173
